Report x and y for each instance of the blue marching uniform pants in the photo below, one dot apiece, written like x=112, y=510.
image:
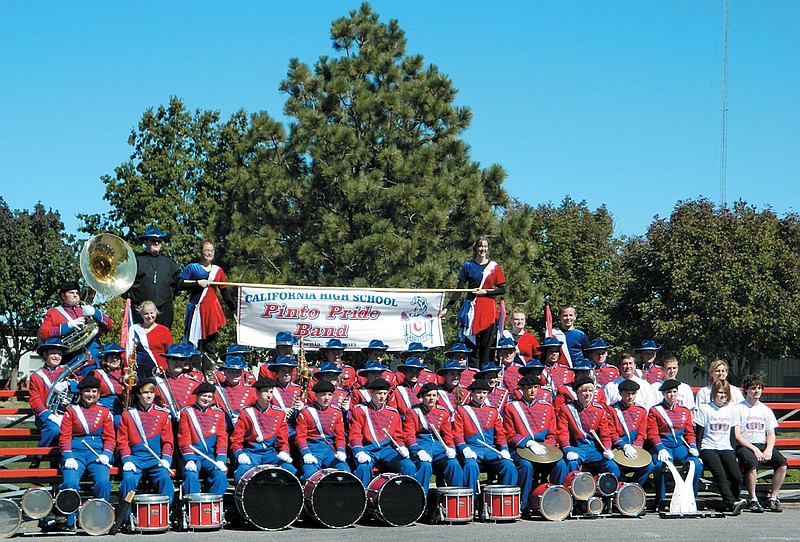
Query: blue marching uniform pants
x=158, y=475
x=325, y=457
x=387, y=459
x=680, y=456
x=492, y=462
x=101, y=489
x=261, y=457
x=591, y=460
x=217, y=480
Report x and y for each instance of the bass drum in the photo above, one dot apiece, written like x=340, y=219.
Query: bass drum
x=96, y=517
x=335, y=498
x=396, y=499
x=36, y=502
x=501, y=503
x=552, y=502
x=580, y=484
x=630, y=500
x=10, y=518
x=68, y=501
x=450, y=505
x=269, y=497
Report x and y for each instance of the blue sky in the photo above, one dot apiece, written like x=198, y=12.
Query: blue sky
x=613, y=102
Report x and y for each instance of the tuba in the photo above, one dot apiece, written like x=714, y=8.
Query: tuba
x=58, y=401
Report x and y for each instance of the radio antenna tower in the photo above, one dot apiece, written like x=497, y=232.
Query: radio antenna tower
x=723, y=165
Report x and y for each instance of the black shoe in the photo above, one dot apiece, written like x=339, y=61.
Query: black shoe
x=737, y=507
x=754, y=506
x=774, y=505
x=35, y=463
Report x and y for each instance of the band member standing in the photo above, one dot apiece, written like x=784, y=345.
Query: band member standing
x=647, y=353
x=42, y=381
x=376, y=438
x=332, y=352
x=575, y=424
x=284, y=347
x=373, y=370
x=481, y=439
x=630, y=428
x=152, y=340
x=287, y=396
x=536, y=368
x=87, y=443
x=565, y=394
x=70, y=315
x=419, y=351
x=146, y=443
x=525, y=341
x=203, y=441
x=374, y=352
x=645, y=397
x=498, y=397
x=261, y=436
x=247, y=372
x=232, y=395
x=320, y=433
x=460, y=352
x=604, y=372
x=110, y=377
x=555, y=374
x=506, y=356
x=174, y=389
x=329, y=372
x=426, y=425
x=404, y=395
x=669, y=428
x=451, y=393
x=156, y=277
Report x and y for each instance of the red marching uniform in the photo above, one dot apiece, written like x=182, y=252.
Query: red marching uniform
x=449, y=398
x=56, y=318
x=653, y=374
x=237, y=397
x=403, y=398
x=72, y=427
x=635, y=420
x=331, y=421
x=41, y=381
x=540, y=417
x=181, y=388
x=156, y=424
x=605, y=374
x=283, y=397
x=558, y=375
x=511, y=376
x=565, y=394
x=593, y=417
x=271, y=422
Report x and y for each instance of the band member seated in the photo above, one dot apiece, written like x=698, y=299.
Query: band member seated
x=332, y=353
x=232, y=395
x=669, y=428
x=87, y=443
x=203, y=441
x=536, y=369
x=451, y=393
x=498, y=397
x=580, y=425
x=418, y=350
x=110, y=376
x=650, y=371
x=460, y=352
x=261, y=436
x=287, y=396
x=685, y=397
x=531, y=423
x=507, y=357
x=555, y=374
x=429, y=436
x=582, y=369
x=376, y=438
x=145, y=443
x=329, y=372
x=374, y=352
x=604, y=372
x=69, y=316
x=320, y=433
x=404, y=395
x=373, y=370
x=284, y=346
x=42, y=381
x=481, y=439
x=174, y=388
x=630, y=428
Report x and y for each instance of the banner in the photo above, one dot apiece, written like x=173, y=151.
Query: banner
x=352, y=315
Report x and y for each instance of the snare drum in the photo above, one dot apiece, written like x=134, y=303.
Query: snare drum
x=450, y=505
x=203, y=511
x=269, y=497
x=96, y=517
x=552, y=502
x=150, y=513
x=630, y=500
x=396, y=499
x=10, y=518
x=335, y=498
x=501, y=503
x=593, y=506
x=606, y=484
x=36, y=502
x=580, y=484
x=68, y=501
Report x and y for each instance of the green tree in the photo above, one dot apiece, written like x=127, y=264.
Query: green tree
x=716, y=282
x=36, y=255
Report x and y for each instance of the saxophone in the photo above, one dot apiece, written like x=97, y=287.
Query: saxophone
x=129, y=379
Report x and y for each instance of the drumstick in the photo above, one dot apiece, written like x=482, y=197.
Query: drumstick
x=495, y=450
x=124, y=506
x=391, y=438
x=438, y=436
x=83, y=441
x=597, y=439
x=201, y=454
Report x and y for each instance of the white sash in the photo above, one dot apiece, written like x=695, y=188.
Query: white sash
x=487, y=271
x=663, y=413
x=81, y=418
x=65, y=314
x=137, y=422
x=573, y=412
x=621, y=418
x=403, y=391
x=279, y=400
x=365, y=394
x=524, y=418
x=559, y=334
x=369, y=424
x=422, y=419
x=168, y=397
x=45, y=378
x=107, y=380
x=447, y=403
x=196, y=329
x=141, y=335
x=197, y=427
x=256, y=426
x=474, y=418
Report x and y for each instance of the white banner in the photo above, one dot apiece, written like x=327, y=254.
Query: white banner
x=354, y=316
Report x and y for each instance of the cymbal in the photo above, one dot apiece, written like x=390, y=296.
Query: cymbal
x=642, y=458
x=553, y=454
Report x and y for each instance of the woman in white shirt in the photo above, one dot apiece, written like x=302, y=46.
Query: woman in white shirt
x=717, y=370
x=714, y=422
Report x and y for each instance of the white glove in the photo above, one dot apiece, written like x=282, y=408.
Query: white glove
x=221, y=465
x=61, y=386
x=504, y=454
x=450, y=453
x=164, y=463
x=341, y=456
x=663, y=455
x=693, y=451
x=243, y=459
x=285, y=457
x=77, y=322
x=103, y=460
x=572, y=456
x=71, y=464
x=55, y=418
x=363, y=457
x=537, y=448
x=191, y=466
x=88, y=311
x=129, y=467
x=424, y=456
x=403, y=451
x=309, y=459
x=630, y=452
x=608, y=454
x=469, y=454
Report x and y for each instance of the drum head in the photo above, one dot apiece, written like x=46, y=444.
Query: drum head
x=607, y=484
x=401, y=501
x=630, y=500
x=96, y=517
x=269, y=498
x=10, y=518
x=68, y=501
x=581, y=484
x=338, y=500
x=37, y=502
x=555, y=503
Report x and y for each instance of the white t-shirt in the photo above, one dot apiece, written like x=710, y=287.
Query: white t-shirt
x=704, y=396
x=717, y=423
x=645, y=397
x=685, y=395
x=755, y=421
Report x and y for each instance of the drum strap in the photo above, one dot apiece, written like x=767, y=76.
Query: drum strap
x=523, y=418
x=663, y=413
x=256, y=425
x=370, y=426
x=621, y=418
x=81, y=418
x=576, y=418
x=197, y=428
x=474, y=418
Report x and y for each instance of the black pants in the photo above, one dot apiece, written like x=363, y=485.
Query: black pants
x=725, y=471
x=482, y=351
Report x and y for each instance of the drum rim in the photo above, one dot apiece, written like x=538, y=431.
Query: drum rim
x=555, y=487
x=454, y=491
x=242, y=484
x=33, y=490
x=606, y=475
x=308, y=501
x=67, y=490
x=202, y=497
x=19, y=519
x=644, y=501
x=150, y=498
x=389, y=476
x=580, y=474
x=107, y=505
x=502, y=490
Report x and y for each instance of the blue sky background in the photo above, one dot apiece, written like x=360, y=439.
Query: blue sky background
x=614, y=102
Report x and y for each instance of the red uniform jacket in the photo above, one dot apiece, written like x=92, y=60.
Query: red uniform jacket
x=272, y=423
x=157, y=426
x=539, y=417
x=369, y=427
x=211, y=422
x=593, y=417
x=331, y=421
x=99, y=422
x=439, y=418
